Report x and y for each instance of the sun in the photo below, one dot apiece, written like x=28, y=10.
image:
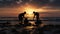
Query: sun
x=29, y=10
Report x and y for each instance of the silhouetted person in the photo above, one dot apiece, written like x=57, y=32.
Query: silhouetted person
x=37, y=15
x=21, y=16
x=26, y=22
x=38, y=21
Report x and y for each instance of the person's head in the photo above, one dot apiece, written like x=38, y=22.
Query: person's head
x=24, y=12
x=33, y=11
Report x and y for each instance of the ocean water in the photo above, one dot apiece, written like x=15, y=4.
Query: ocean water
x=45, y=20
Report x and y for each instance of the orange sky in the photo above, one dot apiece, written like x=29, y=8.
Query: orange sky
x=52, y=12
x=15, y=12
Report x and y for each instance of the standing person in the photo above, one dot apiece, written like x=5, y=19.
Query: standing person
x=21, y=16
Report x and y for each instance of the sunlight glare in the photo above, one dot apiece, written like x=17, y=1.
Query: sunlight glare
x=29, y=10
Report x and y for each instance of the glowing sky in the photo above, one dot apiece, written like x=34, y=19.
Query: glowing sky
x=48, y=7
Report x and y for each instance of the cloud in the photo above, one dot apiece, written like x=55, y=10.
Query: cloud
x=51, y=0
x=56, y=3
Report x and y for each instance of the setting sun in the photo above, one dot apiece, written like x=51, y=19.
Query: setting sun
x=29, y=10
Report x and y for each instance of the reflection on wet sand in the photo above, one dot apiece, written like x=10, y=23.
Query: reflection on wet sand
x=31, y=29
